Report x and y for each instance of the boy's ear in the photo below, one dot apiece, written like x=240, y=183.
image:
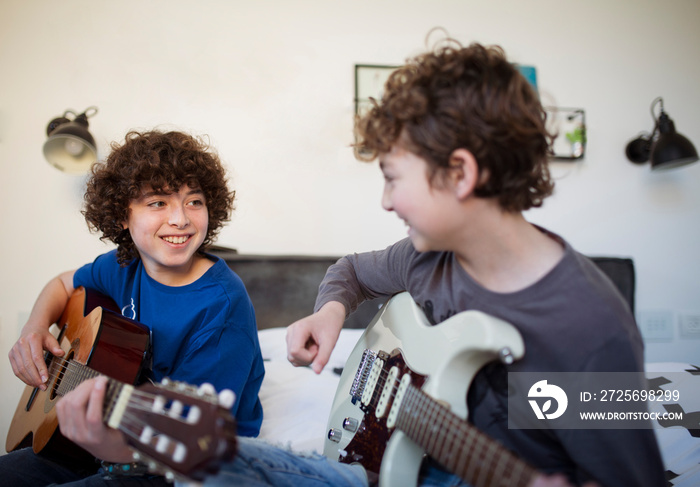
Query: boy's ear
x=465, y=172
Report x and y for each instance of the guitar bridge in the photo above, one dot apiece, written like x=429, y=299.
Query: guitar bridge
x=363, y=370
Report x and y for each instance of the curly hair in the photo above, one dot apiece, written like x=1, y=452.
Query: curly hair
x=465, y=97
x=163, y=161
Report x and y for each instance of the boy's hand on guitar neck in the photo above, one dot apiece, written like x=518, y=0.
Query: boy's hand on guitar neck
x=80, y=420
x=311, y=340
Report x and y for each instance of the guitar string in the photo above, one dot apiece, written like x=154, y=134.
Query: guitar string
x=84, y=372
x=130, y=424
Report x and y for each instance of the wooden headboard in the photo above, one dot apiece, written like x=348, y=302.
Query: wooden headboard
x=283, y=288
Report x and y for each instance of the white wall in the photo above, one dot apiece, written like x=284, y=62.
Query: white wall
x=271, y=83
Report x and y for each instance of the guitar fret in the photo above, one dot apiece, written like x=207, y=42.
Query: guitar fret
x=409, y=414
x=449, y=451
x=455, y=449
x=435, y=418
x=424, y=419
x=486, y=457
x=481, y=457
x=441, y=438
x=499, y=470
x=473, y=459
x=466, y=464
x=476, y=457
x=421, y=420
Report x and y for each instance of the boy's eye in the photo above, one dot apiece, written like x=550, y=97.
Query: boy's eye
x=196, y=203
x=157, y=204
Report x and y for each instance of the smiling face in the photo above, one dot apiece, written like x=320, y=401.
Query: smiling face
x=429, y=210
x=168, y=229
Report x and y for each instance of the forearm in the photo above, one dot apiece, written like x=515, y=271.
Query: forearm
x=51, y=301
x=359, y=277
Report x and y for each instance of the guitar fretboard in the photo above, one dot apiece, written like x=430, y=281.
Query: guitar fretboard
x=459, y=446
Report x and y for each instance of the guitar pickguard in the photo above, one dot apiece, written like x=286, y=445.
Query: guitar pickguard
x=369, y=441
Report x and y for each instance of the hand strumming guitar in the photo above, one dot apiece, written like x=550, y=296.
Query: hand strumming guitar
x=27, y=354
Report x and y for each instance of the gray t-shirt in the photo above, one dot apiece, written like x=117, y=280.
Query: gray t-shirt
x=573, y=319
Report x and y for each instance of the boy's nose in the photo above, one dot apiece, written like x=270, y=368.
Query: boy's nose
x=386, y=201
x=178, y=217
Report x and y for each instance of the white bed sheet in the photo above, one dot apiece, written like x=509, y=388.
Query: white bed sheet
x=296, y=401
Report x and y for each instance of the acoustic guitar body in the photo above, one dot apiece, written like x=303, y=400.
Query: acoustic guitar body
x=93, y=333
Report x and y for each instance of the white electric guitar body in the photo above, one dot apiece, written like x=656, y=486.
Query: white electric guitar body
x=402, y=394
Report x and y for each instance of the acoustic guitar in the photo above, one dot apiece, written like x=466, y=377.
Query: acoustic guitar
x=402, y=395
x=178, y=430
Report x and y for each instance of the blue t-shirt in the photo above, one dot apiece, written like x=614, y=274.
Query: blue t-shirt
x=202, y=332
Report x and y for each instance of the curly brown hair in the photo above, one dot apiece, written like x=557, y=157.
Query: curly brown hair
x=164, y=161
x=465, y=97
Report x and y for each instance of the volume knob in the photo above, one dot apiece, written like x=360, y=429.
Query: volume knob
x=350, y=424
x=335, y=435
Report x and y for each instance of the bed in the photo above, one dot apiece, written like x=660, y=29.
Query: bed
x=297, y=402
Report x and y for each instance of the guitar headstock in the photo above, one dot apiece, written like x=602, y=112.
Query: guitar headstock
x=178, y=430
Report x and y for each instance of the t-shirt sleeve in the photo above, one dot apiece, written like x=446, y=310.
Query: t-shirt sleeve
x=100, y=275
x=359, y=277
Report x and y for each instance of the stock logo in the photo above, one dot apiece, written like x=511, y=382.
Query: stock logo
x=541, y=390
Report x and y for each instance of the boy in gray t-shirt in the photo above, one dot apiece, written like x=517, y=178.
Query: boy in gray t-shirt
x=461, y=141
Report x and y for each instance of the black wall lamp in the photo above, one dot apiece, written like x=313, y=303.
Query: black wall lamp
x=70, y=146
x=666, y=147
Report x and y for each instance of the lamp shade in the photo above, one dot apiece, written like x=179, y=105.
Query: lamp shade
x=70, y=146
x=671, y=149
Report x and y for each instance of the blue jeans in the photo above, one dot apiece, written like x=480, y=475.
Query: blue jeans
x=259, y=464
x=24, y=468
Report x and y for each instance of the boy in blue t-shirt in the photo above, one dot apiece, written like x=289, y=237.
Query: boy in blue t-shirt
x=162, y=198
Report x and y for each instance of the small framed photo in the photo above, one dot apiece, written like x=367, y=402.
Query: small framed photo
x=369, y=83
x=569, y=128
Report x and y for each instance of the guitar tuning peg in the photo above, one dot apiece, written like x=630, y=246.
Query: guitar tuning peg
x=206, y=389
x=227, y=398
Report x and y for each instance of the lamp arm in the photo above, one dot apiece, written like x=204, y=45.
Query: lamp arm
x=657, y=100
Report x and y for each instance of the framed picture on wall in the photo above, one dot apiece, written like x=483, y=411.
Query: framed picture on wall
x=569, y=127
x=369, y=83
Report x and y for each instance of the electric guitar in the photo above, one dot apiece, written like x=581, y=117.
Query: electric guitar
x=177, y=430
x=402, y=394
